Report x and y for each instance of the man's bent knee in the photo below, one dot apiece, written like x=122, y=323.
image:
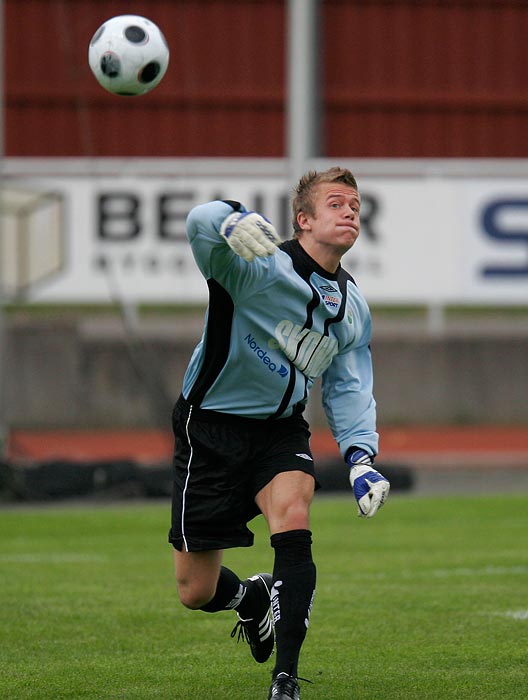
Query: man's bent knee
x=194, y=597
x=196, y=577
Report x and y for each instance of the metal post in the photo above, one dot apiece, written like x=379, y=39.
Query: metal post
x=435, y=319
x=303, y=111
x=3, y=420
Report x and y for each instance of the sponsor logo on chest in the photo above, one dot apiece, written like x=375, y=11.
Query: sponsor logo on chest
x=264, y=357
x=332, y=302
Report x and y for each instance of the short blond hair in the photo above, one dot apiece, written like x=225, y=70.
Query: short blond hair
x=303, y=194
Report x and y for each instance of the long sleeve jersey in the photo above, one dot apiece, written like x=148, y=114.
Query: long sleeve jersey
x=272, y=327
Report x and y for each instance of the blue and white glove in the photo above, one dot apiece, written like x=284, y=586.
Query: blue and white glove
x=249, y=234
x=370, y=487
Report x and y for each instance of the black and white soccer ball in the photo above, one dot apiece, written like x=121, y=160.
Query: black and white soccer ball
x=128, y=55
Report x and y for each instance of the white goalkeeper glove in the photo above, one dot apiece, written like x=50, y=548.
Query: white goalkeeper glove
x=370, y=487
x=249, y=234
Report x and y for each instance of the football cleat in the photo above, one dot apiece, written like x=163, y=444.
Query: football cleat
x=284, y=687
x=257, y=631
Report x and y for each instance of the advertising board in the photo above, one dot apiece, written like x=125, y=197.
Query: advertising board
x=426, y=239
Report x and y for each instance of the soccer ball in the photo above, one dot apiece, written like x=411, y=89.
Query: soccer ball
x=128, y=55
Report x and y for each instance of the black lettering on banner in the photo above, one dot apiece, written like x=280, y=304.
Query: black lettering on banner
x=285, y=225
x=493, y=228
x=173, y=208
x=118, y=216
x=370, y=207
x=257, y=203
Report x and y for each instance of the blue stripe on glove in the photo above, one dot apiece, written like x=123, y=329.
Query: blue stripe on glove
x=369, y=486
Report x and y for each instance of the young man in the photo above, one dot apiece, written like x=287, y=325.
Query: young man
x=279, y=315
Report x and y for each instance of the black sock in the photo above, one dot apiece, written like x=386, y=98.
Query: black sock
x=232, y=594
x=230, y=591
x=291, y=596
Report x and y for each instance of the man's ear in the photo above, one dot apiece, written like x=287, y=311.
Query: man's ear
x=303, y=221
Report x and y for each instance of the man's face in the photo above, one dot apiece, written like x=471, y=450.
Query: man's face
x=335, y=222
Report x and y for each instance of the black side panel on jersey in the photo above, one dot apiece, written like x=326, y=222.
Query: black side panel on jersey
x=217, y=341
x=304, y=266
x=287, y=394
x=232, y=203
x=342, y=279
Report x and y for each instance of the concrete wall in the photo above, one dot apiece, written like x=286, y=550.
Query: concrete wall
x=88, y=373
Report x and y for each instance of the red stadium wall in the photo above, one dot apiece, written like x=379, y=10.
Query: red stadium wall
x=222, y=94
x=428, y=78
x=407, y=78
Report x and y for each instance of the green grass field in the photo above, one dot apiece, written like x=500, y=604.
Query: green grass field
x=427, y=600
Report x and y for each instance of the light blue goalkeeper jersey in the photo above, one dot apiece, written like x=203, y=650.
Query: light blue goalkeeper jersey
x=272, y=327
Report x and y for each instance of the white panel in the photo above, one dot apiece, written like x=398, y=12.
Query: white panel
x=431, y=230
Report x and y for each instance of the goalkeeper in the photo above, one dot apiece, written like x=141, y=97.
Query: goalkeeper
x=280, y=315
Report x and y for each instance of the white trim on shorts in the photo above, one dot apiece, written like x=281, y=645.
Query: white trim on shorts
x=186, y=479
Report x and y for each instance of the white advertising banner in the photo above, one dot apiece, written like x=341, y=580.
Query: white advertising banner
x=426, y=239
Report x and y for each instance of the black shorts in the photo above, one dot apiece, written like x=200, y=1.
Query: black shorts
x=220, y=463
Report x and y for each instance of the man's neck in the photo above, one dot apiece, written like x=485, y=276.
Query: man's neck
x=328, y=258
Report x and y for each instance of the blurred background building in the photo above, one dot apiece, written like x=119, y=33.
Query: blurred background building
x=396, y=79
x=425, y=100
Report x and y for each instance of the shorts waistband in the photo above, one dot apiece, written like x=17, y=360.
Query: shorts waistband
x=206, y=415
